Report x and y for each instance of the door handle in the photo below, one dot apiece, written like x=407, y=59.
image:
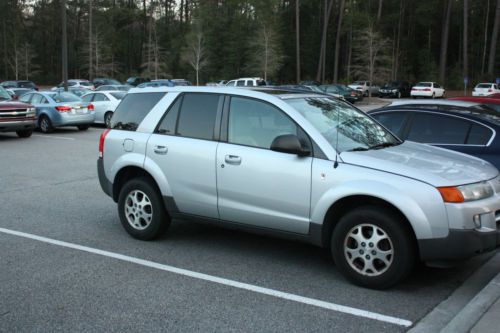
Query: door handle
x=233, y=159
x=160, y=150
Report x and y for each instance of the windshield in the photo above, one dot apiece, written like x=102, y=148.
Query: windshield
x=359, y=83
x=4, y=95
x=424, y=84
x=62, y=97
x=356, y=131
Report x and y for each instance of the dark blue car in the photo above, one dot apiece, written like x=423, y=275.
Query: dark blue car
x=469, y=131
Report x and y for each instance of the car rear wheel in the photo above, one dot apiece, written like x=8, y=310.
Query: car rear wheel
x=83, y=127
x=24, y=133
x=372, y=247
x=433, y=95
x=45, y=124
x=141, y=209
x=107, y=119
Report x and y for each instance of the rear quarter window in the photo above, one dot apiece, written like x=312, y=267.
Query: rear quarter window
x=133, y=109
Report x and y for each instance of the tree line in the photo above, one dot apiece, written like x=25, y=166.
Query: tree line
x=284, y=41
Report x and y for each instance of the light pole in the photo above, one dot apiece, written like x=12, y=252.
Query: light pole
x=64, y=46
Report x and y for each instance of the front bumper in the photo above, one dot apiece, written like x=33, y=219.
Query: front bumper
x=459, y=244
x=16, y=125
x=387, y=94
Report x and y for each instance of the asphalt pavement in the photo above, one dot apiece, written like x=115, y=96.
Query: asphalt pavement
x=66, y=264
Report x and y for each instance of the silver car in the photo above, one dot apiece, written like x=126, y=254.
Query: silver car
x=299, y=165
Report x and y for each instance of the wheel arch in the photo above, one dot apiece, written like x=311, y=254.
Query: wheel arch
x=340, y=207
x=127, y=173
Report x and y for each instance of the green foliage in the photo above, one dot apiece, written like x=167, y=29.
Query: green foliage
x=150, y=37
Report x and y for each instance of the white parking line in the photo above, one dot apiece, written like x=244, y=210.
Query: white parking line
x=54, y=137
x=215, y=279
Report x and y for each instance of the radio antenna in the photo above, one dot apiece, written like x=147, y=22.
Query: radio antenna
x=336, y=163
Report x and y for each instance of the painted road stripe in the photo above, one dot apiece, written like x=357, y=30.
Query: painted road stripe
x=54, y=137
x=215, y=279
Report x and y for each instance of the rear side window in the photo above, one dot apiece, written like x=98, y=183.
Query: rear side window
x=197, y=116
x=431, y=128
x=479, y=135
x=393, y=121
x=240, y=83
x=132, y=110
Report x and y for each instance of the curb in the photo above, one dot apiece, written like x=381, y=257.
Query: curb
x=448, y=310
x=466, y=319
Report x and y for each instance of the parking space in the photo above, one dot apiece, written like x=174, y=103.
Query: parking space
x=49, y=188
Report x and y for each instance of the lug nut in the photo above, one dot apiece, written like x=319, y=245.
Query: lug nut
x=367, y=257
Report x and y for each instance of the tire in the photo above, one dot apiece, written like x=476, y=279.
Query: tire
x=414, y=97
x=395, y=237
x=83, y=127
x=45, y=125
x=433, y=96
x=24, y=133
x=141, y=209
x=107, y=118
x=399, y=95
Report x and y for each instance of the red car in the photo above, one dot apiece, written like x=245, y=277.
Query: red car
x=492, y=101
x=15, y=116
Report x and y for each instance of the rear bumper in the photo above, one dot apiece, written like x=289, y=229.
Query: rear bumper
x=459, y=244
x=106, y=185
x=73, y=120
x=12, y=126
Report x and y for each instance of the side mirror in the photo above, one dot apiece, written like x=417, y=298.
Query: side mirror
x=289, y=144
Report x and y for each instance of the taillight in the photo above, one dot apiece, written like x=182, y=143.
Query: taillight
x=101, y=142
x=63, y=108
x=414, y=89
x=427, y=89
x=490, y=90
x=90, y=107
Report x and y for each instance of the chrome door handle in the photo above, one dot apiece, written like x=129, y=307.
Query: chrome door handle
x=233, y=159
x=160, y=150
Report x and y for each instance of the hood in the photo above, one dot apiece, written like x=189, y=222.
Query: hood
x=13, y=105
x=432, y=165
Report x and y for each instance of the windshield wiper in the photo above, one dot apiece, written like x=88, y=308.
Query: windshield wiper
x=359, y=149
x=385, y=145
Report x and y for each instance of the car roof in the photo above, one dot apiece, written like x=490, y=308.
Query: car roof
x=481, y=100
x=490, y=117
x=242, y=91
x=434, y=102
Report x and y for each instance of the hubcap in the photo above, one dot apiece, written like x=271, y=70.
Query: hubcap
x=368, y=249
x=138, y=210
x=44, y=125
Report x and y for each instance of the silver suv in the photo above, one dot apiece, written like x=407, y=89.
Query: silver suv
x=298, y=165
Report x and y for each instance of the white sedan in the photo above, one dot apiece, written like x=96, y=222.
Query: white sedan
x=105, y=103
x=485, y=89
x=427, y=89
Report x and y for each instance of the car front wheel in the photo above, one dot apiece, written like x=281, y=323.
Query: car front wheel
x=45, y=124
x=372, y=247
x=107, y=119
x=141, y=209
x=83, y=127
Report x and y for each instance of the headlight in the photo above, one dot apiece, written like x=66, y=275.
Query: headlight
x=394, y=90
x=30, y=112
x=468, y=192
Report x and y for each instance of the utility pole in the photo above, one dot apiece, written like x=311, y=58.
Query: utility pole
x=90, y=41
x=64, y=46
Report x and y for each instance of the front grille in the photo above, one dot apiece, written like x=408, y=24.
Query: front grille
x=14, y=113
